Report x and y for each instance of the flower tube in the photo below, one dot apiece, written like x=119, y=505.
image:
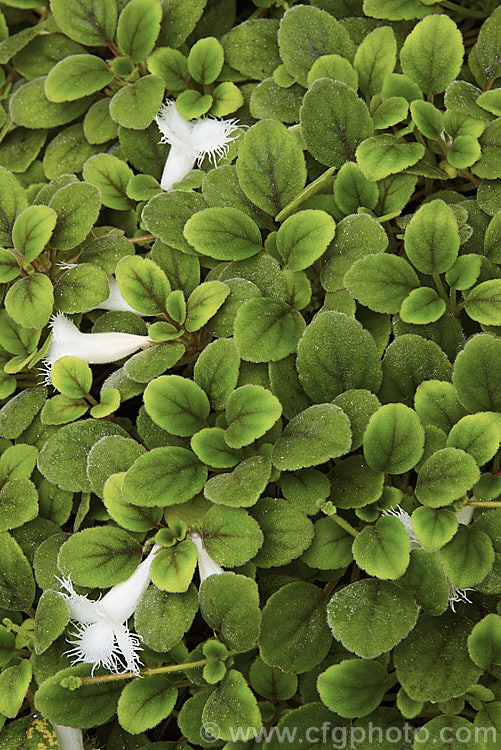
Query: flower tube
x=68, y=738
x=93, y=348
x=190, y=141
x=206, y=565
x=102, y=637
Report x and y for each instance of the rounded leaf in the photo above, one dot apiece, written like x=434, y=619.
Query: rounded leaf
x=164, y=476
x=138, y=28
x=358, y=616
x=432, y=238
x=101, y=556
x=231, y=536
x=381, y=282
x=29, y=301
x=383, y=550
x=223, y=233
x=267, y=330
x=143, y=284
x=304, y=237
x=110, y=175
x=71, y=376
x=250, y=412
x=484, y=642
x=446, y=476
x=32, y=230
x=353, y=688
x=76, y=76
x=422, y=306
x=205, y=60
x=145, y=702
x=394, y=439
x=176, y=404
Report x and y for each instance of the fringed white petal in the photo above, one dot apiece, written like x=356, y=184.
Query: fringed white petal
x=405, y=518
x=79, y=607
x=175, y=128
x=211, y=137
x=128, y=645
x=96, y=644
x=457, y=595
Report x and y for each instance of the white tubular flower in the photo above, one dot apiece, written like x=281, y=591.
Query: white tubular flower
x=190, y=141
x=455, y=594
x=93, y=348
x=68, y=738
x=102, y=636
x=114, y=301
x=206, y=565
x=465, y=515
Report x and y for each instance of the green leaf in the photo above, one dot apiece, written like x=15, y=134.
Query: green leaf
x=336, y=67
x=108, y=456
x=13, y=201
x=136, y=104
x=267, y=330
x=90, y=22
x=166, y=214
x=476, y=434
x=241, y=487
x=211, y=448
x=14, y=684
x=252, y=48
x=381, y=282
x=465, y=151
x=176, y=404
x=330, y=548
x=172, y=569
x=203, y=303
x=206, y=60
x=232, y=704
x=432, y=238
x=394, y=439
x=305, y=34
x=353, y=688
x=429, y=120
x=251, y=411
x=489, y=47
x=425, y=580
x=164, y=476
x=388, y=112
x=468, y=557
x=334, y=121
x=17, y=461
x=483, y=302
x=484, y=642
x=77, y=76
x=162, y=619
x=130, y=517
x=432, y=662
x=355, y=484
x=170, y=65
x=145, y=702
x=358, y=616
x=227, y=98
x=446, y=476
x=143, y=284
x=231, y=536
x=81, y=288
x=223, y=233
x=98, y=127
x=110, y=176
x=352, y=189
x=32, y=230
x=295, y=636
x=312, y=437
x=287, y=532
x=475, y=372
x=375, y=59
x=216, y=371
x=383, y=550
x=29, y=301
x=271, y=682
x=30, y=108
x=395, y=10
x=138, y=28
x=437, y=404
x=51, y=618
x=433, y=527
x=17, y=585
x=229, y=604
x=92, y=704
x=270, y=166
x=9, y=268
x=384, y=155
x=18, y=503
x=101, y=556
x=77, y=206
x=432, y=53
x=465, y=271
x=335, y=353
x=422, y=306
x=17, y=413
x=304, y=237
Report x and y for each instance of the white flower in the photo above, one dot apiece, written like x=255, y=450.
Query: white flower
x=190, y=141
x=102, y=636
x=455, y=594
x=465, y=515
x=114, y=301
x=68, y=738
x=93, y=348
x=206, y=565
